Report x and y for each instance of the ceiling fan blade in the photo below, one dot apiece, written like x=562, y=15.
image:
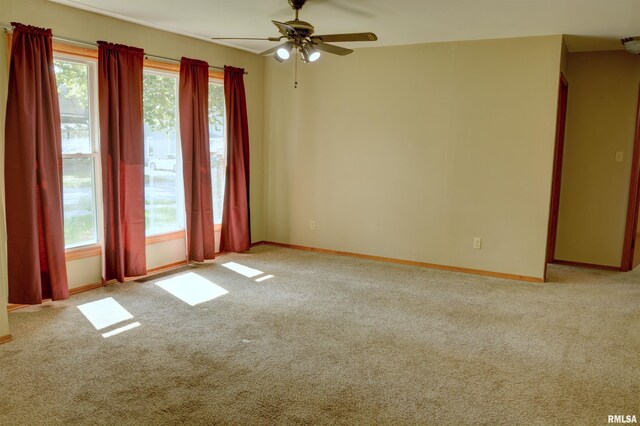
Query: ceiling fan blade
x=345, y=37
x=331, y=48
x=272, y=50
x=247, y=38
x=285, y=29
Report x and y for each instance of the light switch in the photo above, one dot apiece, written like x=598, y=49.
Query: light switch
x=619, y=156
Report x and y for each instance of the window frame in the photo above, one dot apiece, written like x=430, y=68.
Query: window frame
x=151, y=67
x=89, y=249
x=218, y=78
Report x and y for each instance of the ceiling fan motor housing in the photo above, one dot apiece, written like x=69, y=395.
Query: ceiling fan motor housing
x=297, y=4
x=303, y=29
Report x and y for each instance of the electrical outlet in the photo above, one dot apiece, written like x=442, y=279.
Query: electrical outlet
x=477, y=242
x=619, y=156
x=312, y=225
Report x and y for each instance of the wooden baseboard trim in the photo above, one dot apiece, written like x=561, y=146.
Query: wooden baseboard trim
x=15, y=306
x=84, y=288
x=258, y=243
x=157, y=270
x=5, y=339
x=165, y=268
x=586, y=265
x=409, y=262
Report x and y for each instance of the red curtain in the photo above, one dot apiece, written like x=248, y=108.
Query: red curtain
x=236, y=228
x=33, y=172
x=122, y=156
x=194, y=136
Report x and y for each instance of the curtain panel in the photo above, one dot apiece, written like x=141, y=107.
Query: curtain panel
x=236, y=229
x=194, y=137
x=33, y=172
x=122, y=155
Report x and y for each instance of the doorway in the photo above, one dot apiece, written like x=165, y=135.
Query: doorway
x=631, y=249
x=563, y=92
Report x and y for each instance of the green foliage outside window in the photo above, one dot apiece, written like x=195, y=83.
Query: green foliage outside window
x=216, y=106
x=160, y=102
x=72, y=82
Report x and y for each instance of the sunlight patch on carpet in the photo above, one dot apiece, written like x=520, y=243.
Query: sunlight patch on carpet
x=191, y=288
x=242, y=270
x=266, y=277
x=104, y=313
x=121, y=329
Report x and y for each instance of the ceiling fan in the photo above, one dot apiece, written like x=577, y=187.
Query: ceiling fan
x=300, y=38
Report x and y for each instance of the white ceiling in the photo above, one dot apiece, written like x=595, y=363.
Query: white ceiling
x=593, y=24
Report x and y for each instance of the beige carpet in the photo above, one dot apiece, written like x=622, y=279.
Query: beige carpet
x=334, y=340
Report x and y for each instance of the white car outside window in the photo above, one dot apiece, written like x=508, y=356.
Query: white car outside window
x=166, y=162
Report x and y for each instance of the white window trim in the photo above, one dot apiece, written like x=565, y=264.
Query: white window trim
x=179, y=169
x=94, y=127
x=220, y=82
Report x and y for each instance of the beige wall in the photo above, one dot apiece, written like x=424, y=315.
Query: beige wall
x=410, y=152
x=73, y=23
x=601, y=116
x=564, y=58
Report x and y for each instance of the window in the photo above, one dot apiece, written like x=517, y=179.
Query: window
x=217, y=147
x=76, y=84
x=76, y=78
x=163, y=187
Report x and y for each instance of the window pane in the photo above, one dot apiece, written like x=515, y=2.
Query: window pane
x=163, y=172
x=79, y=202
x=73, y=93
x=217, y=146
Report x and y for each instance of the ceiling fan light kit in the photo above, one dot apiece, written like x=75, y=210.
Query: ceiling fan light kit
x=309, y=53
x=284, y=51
x=631, y=45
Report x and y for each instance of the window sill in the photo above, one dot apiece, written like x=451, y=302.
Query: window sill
x=96, y=249
x=165, y=237
x=83, y=252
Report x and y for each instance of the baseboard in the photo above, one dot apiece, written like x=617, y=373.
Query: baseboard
x=165, y=268
x=5, y=339
x=93, y=286
x=586, y=265
x=152, y=271
x=84, y=288
x=408, y=262
x=14, y=306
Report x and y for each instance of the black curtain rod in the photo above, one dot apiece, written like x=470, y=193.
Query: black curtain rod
x=8, y=28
